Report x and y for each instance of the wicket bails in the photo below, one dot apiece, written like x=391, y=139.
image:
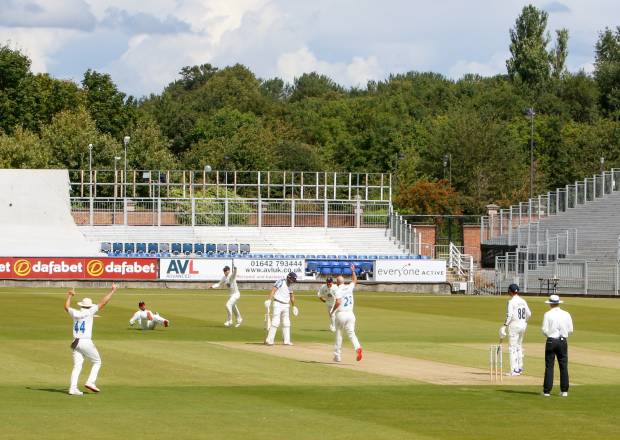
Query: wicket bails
x=496, y=363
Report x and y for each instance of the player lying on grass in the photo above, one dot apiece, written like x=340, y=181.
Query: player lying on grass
x=146, y=319
x=345, y=319
x=82, y=345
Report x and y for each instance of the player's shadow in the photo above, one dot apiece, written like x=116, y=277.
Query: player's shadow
x=324, y=363
x=49, y=390
x=519, y=392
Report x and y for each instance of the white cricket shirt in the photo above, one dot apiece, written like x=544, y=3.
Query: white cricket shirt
x=229, y=281
x=344, y=293
x=557, y=323
x=83, y=321
x=283, y=293
x=517, y=312
x=328, y=294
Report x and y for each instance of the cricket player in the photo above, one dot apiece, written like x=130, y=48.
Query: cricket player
x=82, y=345
x=230, y=280
x=146, y=319
x=327, y=294
x=345, y=319
x=517, y=315
x=281, y=298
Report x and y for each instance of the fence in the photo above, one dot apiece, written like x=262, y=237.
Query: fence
x=229, y=212
x=506, y=227
x=220, y=184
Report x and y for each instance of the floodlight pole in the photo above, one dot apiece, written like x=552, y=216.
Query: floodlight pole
x=531, y=114
x=126, y=140
x=90, y=169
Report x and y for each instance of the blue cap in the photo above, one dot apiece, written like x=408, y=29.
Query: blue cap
x=513, y=288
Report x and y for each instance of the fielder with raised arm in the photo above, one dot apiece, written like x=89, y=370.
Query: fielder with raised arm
x=82, y=345
x=280, y=299
x=345, y=319
x=517, y=315
x=327, y=294
x=230, y=280
x=146, y=319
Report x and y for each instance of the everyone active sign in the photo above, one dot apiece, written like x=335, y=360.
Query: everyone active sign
x=59, y=268
x=410, y=271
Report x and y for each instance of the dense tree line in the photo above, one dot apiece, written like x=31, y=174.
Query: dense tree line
x=414, y=125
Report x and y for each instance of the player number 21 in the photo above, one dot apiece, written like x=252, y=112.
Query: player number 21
x=80, y=328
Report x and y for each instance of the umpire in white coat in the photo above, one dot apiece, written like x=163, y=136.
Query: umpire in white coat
x=557, y=326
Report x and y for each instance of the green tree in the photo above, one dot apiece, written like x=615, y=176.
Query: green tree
x=315, y=85
x=14, y=70
x=107, y=105
x=607, y=71
x=528, y=46
x=559, y=53
x=23, y=149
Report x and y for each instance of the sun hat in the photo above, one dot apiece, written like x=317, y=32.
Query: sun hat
x=86, y=303
x=554, y=299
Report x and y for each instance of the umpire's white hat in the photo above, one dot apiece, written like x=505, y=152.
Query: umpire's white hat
x=554, y=299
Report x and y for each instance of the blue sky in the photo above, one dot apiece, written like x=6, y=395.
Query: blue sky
x=144, y=44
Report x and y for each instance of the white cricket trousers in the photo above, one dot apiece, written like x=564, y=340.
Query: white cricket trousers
x=85, y=349
x=280, y=314
x=332, y=318
x=150, y=324
x=515, y=346
x=231, y=306
x=345, y=321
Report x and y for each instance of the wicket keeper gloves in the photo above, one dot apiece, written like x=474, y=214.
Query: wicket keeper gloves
x=502, y=331
x=295, y=311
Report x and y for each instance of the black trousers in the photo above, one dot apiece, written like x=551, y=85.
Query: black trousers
x=556, y=347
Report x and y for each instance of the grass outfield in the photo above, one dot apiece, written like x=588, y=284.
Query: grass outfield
x=177, y=383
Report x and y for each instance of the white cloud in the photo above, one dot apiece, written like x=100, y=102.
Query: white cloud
x=38, y=44
x=70, y=14
x=496, y=65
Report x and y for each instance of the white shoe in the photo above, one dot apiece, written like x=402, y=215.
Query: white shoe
x=76, y=392
x=288, y=343
x=238, y=322
x=336, y=358
x=515, y=373
x=92, y=387
x=564, y=394
x=546, y=394
x=268, y=344
x=332, y=328
x=227, y=323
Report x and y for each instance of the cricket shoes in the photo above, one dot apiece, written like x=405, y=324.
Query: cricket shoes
x=76, y=392
x=332, y=328
x=166, y=323
x=227, y=323
x=564, y=394
x=92, y=387
x=515, y=373
x=546, y=394
x=268, y=344
x=288, y=343
x=239, y=322
x=359, y=354
x=336, y=358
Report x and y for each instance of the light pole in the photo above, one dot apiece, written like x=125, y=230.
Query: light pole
x=90, y=168
x=447, y=163
x=116, y=158
x=531, y=113
x=126, y=140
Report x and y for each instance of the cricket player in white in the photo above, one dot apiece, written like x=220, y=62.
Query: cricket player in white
x=281, y=298
x=517, y=315
x=230, y=280
x=345, y=319
x=146, y=319
x=327, y=294
x=82, y=345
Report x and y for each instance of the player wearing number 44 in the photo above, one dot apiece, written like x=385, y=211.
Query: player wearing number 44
x=345, y=319
x=517, y=315
x=82, y=345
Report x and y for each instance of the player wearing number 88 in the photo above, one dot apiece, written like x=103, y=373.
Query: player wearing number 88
x=82, y=345
x=345, y=319
x=517, y=315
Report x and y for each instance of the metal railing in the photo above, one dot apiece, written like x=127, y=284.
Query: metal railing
x=229, y=212
x=405, y=235
x=463, y=264
x=302, y=185
x=507, y=226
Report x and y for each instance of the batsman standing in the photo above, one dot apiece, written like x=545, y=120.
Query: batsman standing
x=280, y=299
x=82, y=345
x=345, y=319
x=517, y=315
x=327, y=295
